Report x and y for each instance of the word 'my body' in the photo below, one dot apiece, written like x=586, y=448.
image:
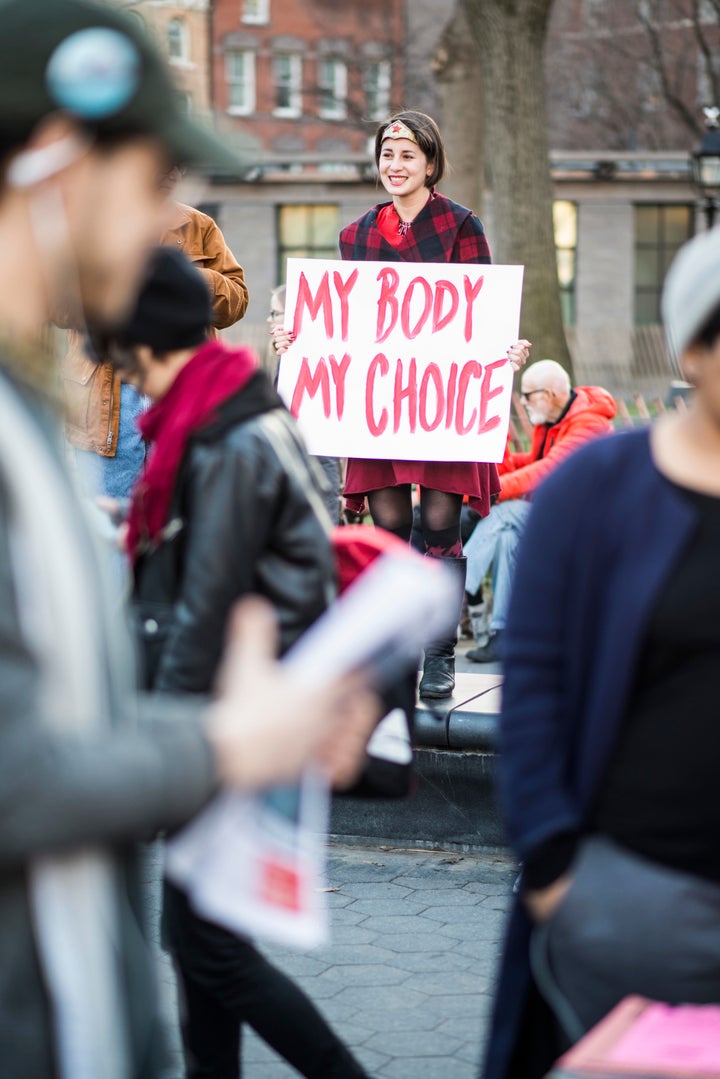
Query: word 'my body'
x=420, y=306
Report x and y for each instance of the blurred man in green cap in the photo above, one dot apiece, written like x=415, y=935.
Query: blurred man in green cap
x=88, y=122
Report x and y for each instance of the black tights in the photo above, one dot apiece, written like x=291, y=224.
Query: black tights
x=391, y=509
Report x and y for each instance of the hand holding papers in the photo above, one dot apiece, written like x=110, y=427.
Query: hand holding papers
x=256, y=864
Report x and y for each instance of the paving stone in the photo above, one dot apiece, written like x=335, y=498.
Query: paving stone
x=423, y=963
x=490, y=928
x=346, y=915
x=430, y=881
x=362, y=873
x=450, y=897
x=355, y=1035
x=367, y=974
x=425, y=941
x=342, y=955
x=408, y=977
x=495, y=874
x=406, y=906
x=497, y=902
x=451, y=982
x=377, y=890
x=424, y=1068
x=461, y=1004
x=391, y=924
x=337, y=901
x=301, y=965
x=383, y=996
x=336, y=1012
x=459, y=1026
x=397, y=1020
x=451, y=915
x=480, y=951
x=469, y=1053
x=372, y=1060
x=429, y=1043
x=342, y=933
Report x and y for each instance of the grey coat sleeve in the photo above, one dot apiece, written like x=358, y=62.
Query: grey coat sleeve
x=61, y=791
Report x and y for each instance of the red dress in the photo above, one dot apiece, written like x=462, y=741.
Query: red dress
x=430, y=238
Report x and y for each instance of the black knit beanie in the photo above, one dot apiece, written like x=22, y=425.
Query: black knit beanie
x=173, y=310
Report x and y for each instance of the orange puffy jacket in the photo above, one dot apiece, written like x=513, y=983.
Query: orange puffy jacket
x=590, y=414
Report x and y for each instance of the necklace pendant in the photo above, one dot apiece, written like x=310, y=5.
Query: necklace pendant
x=404, y=227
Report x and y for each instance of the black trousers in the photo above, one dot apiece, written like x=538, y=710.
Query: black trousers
x=225, y=982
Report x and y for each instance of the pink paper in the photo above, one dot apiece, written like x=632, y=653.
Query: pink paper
x=685, y=1037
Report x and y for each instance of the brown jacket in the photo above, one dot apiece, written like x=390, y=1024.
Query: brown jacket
x=203, y=243
x=92, y=391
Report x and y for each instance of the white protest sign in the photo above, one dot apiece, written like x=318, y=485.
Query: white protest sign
x=401, y=361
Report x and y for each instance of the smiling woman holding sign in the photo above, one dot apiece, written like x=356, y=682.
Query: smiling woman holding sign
x=419, y=225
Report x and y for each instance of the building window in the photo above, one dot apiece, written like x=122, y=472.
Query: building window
x=332, y=84
x=565, y=222
x=287, y=77
x=256, y=11
x=240, y=73
x=307, y=231
x=377, y=89
x=178, y=42
x=659, y=232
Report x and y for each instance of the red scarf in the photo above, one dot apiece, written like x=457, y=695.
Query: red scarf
x=214, y=374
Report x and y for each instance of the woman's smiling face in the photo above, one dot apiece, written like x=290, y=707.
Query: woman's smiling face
x=403, y=167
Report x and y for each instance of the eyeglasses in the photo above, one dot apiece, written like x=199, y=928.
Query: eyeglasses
x=529, y=394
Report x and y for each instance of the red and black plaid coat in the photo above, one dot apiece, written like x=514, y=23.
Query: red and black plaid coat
x=443, y=231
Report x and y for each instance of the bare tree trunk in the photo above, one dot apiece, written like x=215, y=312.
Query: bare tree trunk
x=510, y=35
x=460, y=91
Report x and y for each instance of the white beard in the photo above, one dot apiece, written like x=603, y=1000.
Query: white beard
x=536, y=418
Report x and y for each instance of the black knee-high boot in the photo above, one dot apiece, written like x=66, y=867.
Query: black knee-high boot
x=438, y=678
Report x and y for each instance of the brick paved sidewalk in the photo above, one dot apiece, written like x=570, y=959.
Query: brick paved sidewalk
x=408, y=977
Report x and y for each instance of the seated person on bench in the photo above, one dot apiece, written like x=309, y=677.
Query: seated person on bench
x=563, y=419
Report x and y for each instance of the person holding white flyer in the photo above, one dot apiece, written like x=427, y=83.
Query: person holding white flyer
x=226, y=506
x=419, y=225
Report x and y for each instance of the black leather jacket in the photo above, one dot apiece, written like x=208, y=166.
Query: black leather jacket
x=247, y=516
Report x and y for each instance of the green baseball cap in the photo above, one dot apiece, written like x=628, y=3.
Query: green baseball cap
x=99, y=65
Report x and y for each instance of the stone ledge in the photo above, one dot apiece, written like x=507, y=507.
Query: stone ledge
x=453, y=807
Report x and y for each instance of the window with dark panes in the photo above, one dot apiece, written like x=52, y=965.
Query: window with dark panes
x=240, y=71
x=660, y=229
x=565, y=223
x=306, y=231
x=377, y=78
x=332, y=84
x=287, y=76
x=256, y=11
x=178, y=43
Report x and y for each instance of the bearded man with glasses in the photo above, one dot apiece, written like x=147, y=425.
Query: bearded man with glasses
x=563, y=419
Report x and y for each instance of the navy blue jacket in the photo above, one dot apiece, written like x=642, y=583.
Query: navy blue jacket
x=604, y=533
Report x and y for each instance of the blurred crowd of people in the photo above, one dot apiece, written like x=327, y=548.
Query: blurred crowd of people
x=599, y=553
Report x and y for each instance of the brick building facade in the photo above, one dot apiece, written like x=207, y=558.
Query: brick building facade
x=303, y=80
x=181, y=28
x=307, y=77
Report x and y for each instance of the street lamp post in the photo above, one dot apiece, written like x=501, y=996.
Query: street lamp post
x=705, y=164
